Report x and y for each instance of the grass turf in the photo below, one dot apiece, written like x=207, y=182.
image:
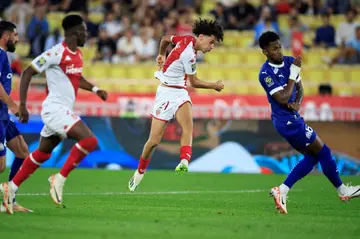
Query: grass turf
x=181, y=206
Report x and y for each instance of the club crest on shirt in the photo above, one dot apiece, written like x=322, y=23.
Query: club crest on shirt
x=269, y=81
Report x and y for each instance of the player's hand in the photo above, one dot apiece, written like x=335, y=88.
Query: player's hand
x=160, y=59
x=294, y=106
x=23, y=114
x=219, y=86
x=297, y=61
x=102, y=94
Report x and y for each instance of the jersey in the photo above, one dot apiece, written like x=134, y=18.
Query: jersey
x=6, y=80
x=180, y=62
x=273, y=78
x=63, y=70
x=287, y=122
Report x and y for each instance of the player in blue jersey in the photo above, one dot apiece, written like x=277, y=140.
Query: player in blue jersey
x=280, y=77
x=8, y=130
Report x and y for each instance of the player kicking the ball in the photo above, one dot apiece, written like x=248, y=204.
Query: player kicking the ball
x=280, y=77
x=63, y=67
x=172, y=99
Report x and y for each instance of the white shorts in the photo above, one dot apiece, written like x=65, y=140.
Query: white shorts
x=168, y=101
x=58, y=120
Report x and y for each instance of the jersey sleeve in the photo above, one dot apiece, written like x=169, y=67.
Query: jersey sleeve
x=269, y=82
x=46, y=60
x=189, y=62
x=175, y=39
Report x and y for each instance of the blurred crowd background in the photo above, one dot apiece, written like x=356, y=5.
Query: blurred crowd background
x=124, y=36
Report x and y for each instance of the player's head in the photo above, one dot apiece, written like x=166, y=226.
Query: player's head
x=8, y=35
x=207, y=33
x=75, y=27
x=271, y=47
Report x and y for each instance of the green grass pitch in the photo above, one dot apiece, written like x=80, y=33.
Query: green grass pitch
x=187, y=206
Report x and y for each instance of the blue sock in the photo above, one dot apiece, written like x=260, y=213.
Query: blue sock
x=328, y=166
x=301, y=169
x=15, y=167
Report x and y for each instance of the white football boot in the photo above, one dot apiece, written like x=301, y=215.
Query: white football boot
x=57, y=183
x=135, y=180
x=8, y=197
x=349, y=192
x=279, y=199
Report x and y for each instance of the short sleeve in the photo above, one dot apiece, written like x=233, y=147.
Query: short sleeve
x=269, y=82
x=175, y=39
x=46, y=60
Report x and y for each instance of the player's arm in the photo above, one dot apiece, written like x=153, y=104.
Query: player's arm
x=37, y=66
x=197, y=83
x=164, y=43
x=4, y=97
x=282, y=96
x=86, y=85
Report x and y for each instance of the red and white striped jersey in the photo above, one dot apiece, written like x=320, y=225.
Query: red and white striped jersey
x=180, y=62
x=63, y=69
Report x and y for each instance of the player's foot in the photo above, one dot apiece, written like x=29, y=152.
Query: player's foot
x=135, y=181
x=182, y=166
x=18, y=208
x=279, y=199
x=56, y=188
x=8, y=197
x=349, y=192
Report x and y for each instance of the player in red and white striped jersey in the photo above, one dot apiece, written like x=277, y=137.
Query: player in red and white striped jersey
x=63, y=68
x=172, y=99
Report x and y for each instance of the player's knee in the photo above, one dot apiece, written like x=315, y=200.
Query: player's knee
x=89, y=143
x=154, y=142
x=23, y=152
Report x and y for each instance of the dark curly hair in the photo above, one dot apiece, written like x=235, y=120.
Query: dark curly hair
x=266, y=38
x=208, y=28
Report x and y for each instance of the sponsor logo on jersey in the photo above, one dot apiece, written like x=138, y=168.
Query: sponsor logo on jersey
x=41, y=62
x=73, y=70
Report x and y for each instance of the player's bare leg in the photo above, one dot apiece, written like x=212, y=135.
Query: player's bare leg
x=19, y=147
x=86, y=143
x=29, y=166
x=156, y=134
x=185, y=119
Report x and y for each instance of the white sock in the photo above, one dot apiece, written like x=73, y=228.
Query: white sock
x=61, y=178
x=341, y=189
x=284, y=189
x=13, y=186
x=185, y=162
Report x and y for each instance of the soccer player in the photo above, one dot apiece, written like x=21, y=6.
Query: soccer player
x=172, y=99
x=63, y=67
x=8, y=130
x=280, y=77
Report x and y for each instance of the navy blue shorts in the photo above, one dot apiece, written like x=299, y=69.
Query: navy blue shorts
x=8, y=131
x=296, y=132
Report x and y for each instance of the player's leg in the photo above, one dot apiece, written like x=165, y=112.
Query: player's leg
x=328, y=165
x=3, y=127
x=298, y=134
x=16, y=143
x=86, y=143
x=156, y=133
x=185, y=119
x=31, y=163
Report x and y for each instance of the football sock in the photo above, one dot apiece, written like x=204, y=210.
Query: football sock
x=301, y=169
x=78, y=153
x=29, y=166
x=328, y=166
x=143, y=164
x=15, y=167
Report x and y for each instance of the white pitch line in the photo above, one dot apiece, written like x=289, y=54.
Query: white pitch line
x=149, y=193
